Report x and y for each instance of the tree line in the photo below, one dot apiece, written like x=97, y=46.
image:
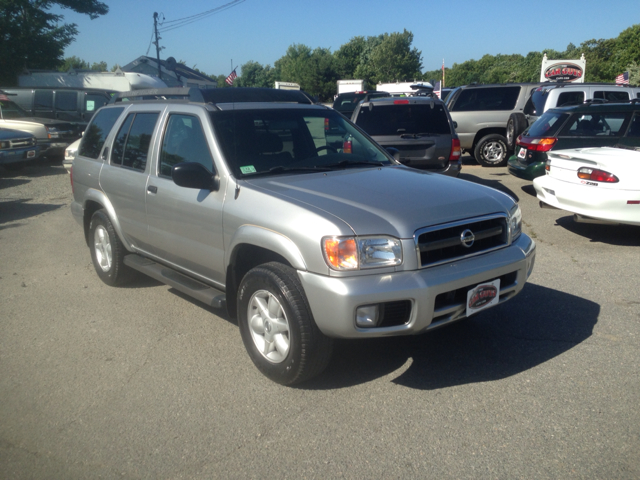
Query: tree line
x=33, y=38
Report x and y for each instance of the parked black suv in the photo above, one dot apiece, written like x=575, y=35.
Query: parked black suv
x=589, y=125
x=346, y=103
x=417, y=130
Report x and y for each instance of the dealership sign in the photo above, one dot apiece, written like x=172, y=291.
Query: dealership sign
x=562, y=71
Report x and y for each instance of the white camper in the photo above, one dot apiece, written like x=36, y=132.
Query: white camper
x=117, y=81
x=287, y=86
x=402, y=89
x=346, y=86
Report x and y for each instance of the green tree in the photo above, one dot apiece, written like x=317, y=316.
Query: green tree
x=348, y=57
x=256, y=75
x=394, y=59
x=313, y=70
x=33, y=37
x=74, y=63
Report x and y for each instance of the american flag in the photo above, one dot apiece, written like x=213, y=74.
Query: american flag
x=438, y=89
x=623, y=79
x=232, y=76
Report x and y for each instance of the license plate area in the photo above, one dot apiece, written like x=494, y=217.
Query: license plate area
x=522, y=153
x=483, y=296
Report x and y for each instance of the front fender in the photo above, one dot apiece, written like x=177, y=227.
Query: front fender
x=269, y=240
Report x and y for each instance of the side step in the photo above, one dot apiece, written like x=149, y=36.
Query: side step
x=198, y=290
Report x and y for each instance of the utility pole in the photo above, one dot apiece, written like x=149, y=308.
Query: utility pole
x=157, y=42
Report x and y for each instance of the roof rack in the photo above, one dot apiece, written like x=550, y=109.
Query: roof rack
x=215, y=95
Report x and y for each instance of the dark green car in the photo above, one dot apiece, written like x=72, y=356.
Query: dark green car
x=589, y=125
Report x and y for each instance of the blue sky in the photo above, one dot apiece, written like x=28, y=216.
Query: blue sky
x=261, y=30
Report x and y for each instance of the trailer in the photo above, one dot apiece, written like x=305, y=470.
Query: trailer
x=403, y=89
x=346, y=86
x=118, y=81
x=287, y=86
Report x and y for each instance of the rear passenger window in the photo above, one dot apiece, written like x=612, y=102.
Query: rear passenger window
x=66, y=101
x=43, y=100
x=491, y=98
x=570, y=98
x=131, y=146
x=634, y=127
x=612, y=96
x=608, y=124
x=97, y=131
x=184, y=141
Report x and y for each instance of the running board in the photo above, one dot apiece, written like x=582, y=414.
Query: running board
x=198, y=290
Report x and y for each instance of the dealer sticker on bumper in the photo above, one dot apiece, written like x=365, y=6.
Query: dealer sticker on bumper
x=522, y=153
x=483, y=296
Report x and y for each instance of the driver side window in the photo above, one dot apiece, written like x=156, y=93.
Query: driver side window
x=184, y=141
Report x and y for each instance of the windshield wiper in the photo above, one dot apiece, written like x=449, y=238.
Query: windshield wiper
x=355, y=163
x=283, y=169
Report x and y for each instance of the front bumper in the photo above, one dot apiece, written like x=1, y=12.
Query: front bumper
x=334, y=300
x=604, y=204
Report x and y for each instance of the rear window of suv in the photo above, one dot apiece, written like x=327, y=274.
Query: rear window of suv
x=483, y=99
x=547, y=125
x=404, y=119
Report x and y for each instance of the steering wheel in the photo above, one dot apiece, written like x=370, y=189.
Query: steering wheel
x=326, y=147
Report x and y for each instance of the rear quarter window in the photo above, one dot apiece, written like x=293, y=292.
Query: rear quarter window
x=595, y=125
x=486, y=99
x=97, y=131
x=547, y=125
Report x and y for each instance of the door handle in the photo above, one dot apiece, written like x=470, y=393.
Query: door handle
x=152, y=189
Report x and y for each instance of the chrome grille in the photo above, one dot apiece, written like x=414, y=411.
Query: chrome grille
x=23, y=142
x=467, y=238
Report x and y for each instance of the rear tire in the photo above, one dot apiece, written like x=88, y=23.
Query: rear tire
x=277, y=327
x=491, y=151
x=107, y=251
x=515, y=126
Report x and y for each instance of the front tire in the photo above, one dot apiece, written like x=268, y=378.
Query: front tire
x=277, y=326
x=107, y=251
x=491, y=151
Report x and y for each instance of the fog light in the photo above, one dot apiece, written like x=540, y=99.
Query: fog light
x=367, y=316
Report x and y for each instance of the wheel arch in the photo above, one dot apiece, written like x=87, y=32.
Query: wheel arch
x=252, y=246
x=94, y=201
x=488, y=131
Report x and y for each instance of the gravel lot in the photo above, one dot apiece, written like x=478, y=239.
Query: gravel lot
x=143, y=382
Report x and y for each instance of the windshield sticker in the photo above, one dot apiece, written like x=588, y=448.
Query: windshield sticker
x=248, y=169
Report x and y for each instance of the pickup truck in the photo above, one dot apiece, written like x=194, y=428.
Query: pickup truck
x=237, y=198
x=52, y=135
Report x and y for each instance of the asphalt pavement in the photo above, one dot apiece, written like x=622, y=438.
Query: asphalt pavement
x=143, y=382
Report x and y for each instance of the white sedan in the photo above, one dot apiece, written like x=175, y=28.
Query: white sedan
x=598, y=185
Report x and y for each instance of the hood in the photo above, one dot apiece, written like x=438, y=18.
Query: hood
x=390, y=200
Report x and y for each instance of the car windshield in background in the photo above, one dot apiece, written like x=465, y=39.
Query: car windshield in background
x=8, y=109
x=547, y=125
x=411, y=119
x=292, y=140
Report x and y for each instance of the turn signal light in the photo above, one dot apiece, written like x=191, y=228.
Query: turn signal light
x=596, y=175
x=341, y=253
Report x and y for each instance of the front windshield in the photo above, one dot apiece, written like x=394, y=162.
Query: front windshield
x=292, y=140
x=9, y=109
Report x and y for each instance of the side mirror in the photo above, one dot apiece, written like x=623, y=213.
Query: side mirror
x=194, y=175
x=394, y=152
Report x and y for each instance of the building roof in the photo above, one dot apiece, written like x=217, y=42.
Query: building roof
x=170, y=68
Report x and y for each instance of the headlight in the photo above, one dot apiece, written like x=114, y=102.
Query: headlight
x=515, y=222
x=356, y=253
x=5, y=144
x=70, y=153
x=52, y=132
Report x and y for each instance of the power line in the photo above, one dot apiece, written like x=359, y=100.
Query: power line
x=181, y=22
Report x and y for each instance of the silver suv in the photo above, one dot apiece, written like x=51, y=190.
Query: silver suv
x=481, y=113
x=244, y=198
